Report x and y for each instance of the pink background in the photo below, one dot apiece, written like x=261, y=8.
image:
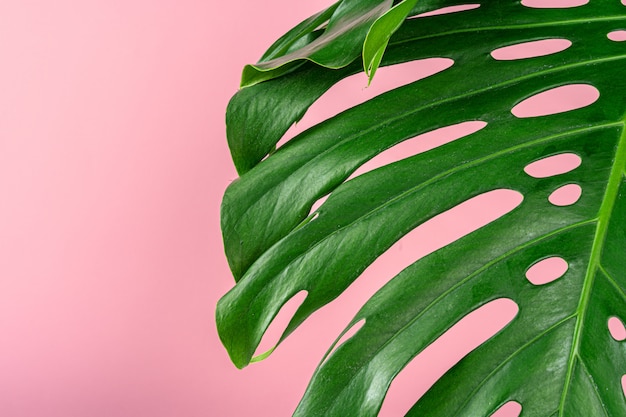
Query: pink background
x=113, y=161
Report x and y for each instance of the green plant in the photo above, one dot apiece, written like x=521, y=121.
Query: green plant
x=556, y=357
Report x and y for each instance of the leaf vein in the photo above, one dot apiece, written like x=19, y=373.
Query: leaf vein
x=511, y=27
x=613, y=282
x=592, y=381
x=509, y=358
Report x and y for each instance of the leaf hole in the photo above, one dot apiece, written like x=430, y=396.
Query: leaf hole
x=617, y=35
x=557, y=100
x=509, y=409
x=274, y=332
x=348, y=334
x=440, y=231
x=420, y=144
x=353, y=90
x=531, y=49
x=617, y=329
x=553, y=165
x=566, y=195
x=547, y=270
x=624, y=384
x=447, y=10
x=553, y=4
x=433, y=362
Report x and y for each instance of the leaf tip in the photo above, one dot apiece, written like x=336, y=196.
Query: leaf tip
x=262, y=356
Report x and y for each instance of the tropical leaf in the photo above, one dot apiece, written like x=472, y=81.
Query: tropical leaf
x=379, y=34
x=335, y=46
x=556, y=357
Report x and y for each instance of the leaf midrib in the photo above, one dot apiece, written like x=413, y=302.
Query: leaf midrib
x=604, y=216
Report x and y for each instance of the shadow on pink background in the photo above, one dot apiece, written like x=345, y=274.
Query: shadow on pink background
x=113, y=164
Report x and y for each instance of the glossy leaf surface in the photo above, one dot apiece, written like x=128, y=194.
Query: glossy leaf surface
x=335, y=45
x=557, y=357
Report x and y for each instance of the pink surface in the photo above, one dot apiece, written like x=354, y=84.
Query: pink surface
x=113, y=164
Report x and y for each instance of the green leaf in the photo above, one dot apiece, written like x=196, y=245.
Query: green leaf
x=299, y=35
x=556, y=357
x=259, y=115
x=380, y=33
x=340, y=43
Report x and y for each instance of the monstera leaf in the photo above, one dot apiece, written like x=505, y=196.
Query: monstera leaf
x=556, y=357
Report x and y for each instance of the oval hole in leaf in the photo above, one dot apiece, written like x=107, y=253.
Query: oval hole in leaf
x=279, y=324
x=441, y=355
x=447, y=10
x=353, y=90
x=344, y=338
x=553, y=165
x=547, y=270
x=617, y=329
x=434, y=234
x=419, y=144
x=624, y=384
x=557, y=100
x=510, y=409
x=556, y=4
x=566, y=195
x=617, y=35
x=531, y=49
